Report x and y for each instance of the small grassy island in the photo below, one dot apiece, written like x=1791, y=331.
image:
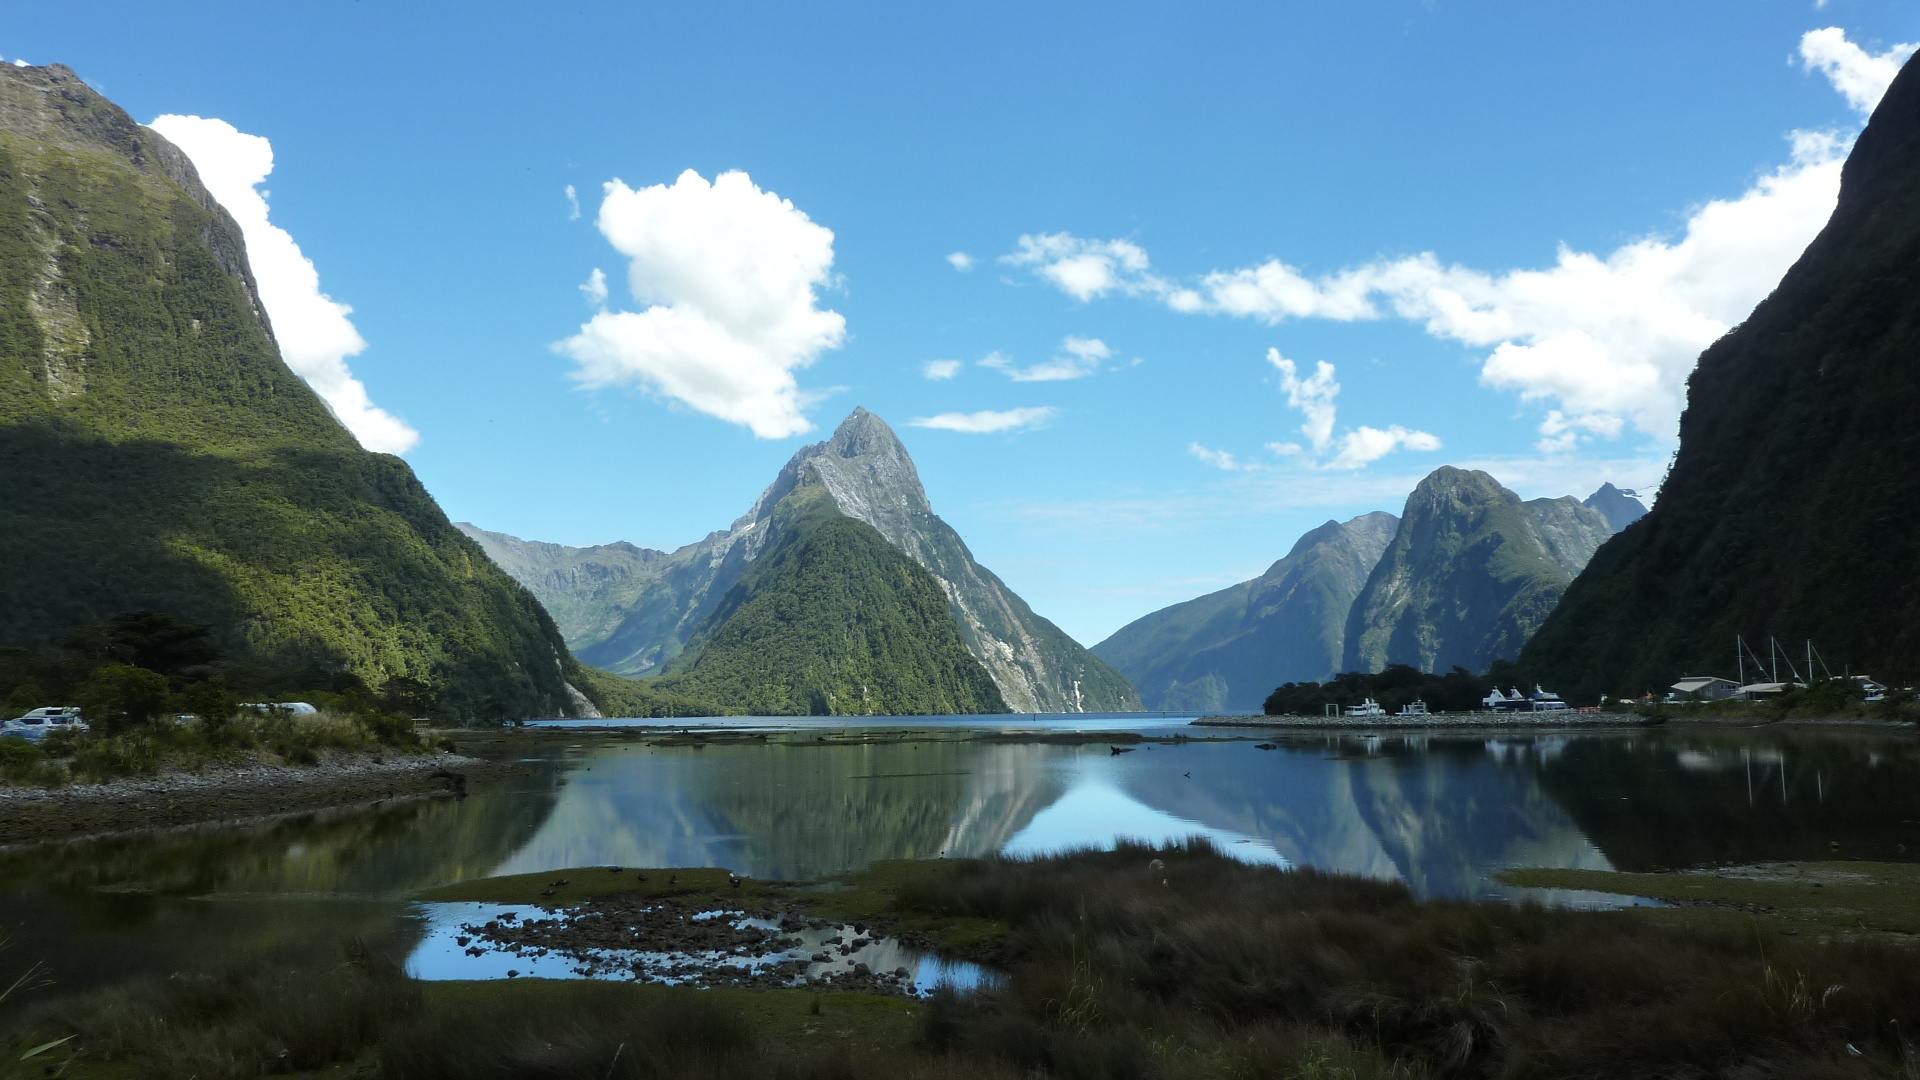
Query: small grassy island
x=1139, y=962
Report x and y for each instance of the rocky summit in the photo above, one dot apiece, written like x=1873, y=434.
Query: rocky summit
x=635, y=611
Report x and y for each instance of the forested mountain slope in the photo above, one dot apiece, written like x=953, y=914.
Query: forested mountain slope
x=156, y=453
x=1227, y=650
x=1793, y=505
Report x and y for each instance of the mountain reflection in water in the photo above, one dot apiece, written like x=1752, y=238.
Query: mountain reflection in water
x=1439, y=813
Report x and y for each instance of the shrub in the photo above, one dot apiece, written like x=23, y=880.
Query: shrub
x=118, y=697
x=21, y=762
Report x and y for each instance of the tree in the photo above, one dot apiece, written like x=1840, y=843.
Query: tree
x=120, y=696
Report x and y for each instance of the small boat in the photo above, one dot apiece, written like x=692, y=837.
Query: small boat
x=1545, y=700
x=1415, y=707
x=1370, y=708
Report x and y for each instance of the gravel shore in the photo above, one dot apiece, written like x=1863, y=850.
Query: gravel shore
x=220, y=793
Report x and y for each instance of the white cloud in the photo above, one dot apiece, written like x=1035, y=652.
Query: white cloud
x=987, y=421
x=1860, y=76
x=1219, y=459
x=1313, y=396
x=595, y=287
x=313, y=330
x=729, y=273
x=939, y=370
x=1365, y=445
x=960, y=261
x=573, y=205
x=1078, y=357
x=1085, y=269
x=1602, y=341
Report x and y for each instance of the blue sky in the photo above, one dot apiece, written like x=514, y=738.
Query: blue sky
x=1507, y=227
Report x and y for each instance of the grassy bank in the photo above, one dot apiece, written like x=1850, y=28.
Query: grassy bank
x=1149, y=963
x=193, y=745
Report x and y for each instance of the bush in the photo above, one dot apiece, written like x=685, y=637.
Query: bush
x=118, y=697
x=21, y=762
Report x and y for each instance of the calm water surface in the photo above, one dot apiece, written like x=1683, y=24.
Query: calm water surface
x=1440, y=812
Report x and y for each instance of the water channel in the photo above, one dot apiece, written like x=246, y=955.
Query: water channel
x=1440, y=812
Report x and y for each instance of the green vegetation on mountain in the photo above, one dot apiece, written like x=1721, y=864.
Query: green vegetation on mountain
x=1793, y=505
x=1226, y=651
x=634, y=610
x=156, y=453
x=1470, y=574
x=832, y=620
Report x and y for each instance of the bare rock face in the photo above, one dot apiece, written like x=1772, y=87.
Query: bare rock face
x=651, y=603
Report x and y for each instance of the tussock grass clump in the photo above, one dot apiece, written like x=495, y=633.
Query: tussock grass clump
x=1180, y=962
x=241, y=1021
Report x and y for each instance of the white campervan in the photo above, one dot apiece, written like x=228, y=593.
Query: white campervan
x=40, y=723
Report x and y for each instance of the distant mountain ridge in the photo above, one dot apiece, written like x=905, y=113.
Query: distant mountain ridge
x=1793, y=504
x=156, y=453
x=634, y=611
x=1227, y=650
x=1470, y=575
x=1464, y=576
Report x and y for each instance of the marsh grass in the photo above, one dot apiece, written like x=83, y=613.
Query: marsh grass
x=1116, y=964
x=1137, y=964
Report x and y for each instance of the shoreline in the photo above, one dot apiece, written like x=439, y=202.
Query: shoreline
x=1557, y=719
x=234, y=793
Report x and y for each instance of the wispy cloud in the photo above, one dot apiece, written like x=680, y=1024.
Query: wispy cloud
x=1219, y=459
x=595, y=287
x=1860, y=76
x=1078, y=358
x=940, y=370
x=960, y=261
x=573, y=204
x=987, y=421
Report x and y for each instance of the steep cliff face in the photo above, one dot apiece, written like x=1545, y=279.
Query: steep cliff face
x=640, y=623
x=1793, y=505
x=1227, y=650
x=1471, y=573
x=155, y=452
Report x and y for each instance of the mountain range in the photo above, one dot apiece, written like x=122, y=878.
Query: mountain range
x=1793, y=506
x=1462, y=577
x=156, y=452
x=640, y=612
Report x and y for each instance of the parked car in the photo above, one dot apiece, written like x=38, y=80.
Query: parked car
x=40, y=723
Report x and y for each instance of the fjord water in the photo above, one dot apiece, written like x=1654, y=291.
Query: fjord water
x=1440, y=812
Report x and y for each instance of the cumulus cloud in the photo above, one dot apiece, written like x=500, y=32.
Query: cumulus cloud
x=1085, y=269
x=987, y=421
x=1078, y=357
x=1860, y=76
x=1601, y=340
x=313, y=330
x=728, y=274
x=960, y=261
x=939, y=370
x=1365, y=445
